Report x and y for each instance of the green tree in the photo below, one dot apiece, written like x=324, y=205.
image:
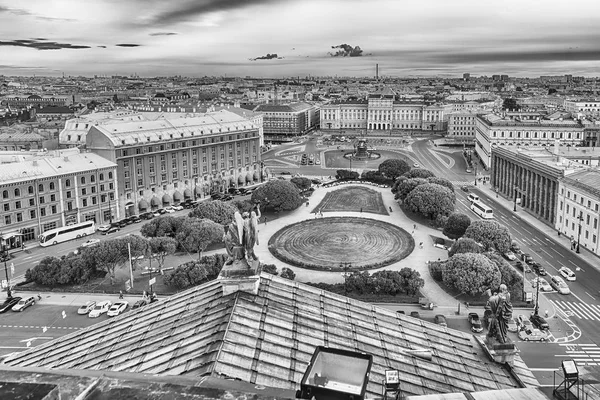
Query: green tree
x=277, y=195
x=287, y=274
x=198, y=233
x=139, y=248
x=441, y=181
x=345, y=175
x=270, y=269
x=358, y=282
x=301, y=182
x=217, y=211
x=405, y=186
x=393, y=168
x=471, y=273
x=511, y=278
x=418, y=173
x=490, y=234
x=464, y=245
x=386, y=282
x=411, y=281
x=160, y=247
x=431, y=200
x=511, y=104
x=243, y=205
x=162, y=226
x=374, y=176
x=456, y=225
x=107, y=256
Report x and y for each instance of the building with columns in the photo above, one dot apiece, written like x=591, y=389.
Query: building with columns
x=380, y=113
x=55, y=189
x=494, y=131
x=579, y=208
x=167, y=161
x=530, y=177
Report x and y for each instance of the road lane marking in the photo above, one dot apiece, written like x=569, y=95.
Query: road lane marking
x=593, y=298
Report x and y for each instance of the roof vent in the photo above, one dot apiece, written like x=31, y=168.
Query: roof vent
x=66, y=158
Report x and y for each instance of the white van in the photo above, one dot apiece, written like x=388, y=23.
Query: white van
x=473, y=198
x=559, y=285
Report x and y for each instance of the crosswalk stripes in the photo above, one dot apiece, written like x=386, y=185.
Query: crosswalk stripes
x=583, y=354
x=577, y=309
x=462, y=183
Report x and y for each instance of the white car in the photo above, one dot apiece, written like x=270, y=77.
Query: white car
x=169, y=209
x=559, y=285
x=91, y=242
x=544, y=285
x=567, y=273
x=509, y=255
x=100, y=308
x=117, y=308
x=86, y=308
x=532, y=335
x=416, y=165
x=103, y=228
x=24, y=303
x=177, y=208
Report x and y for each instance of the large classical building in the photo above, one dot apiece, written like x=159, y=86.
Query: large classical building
x=583, y=106
x=579, y=208
x=381, y=114
x=55, y=189
x=282, y=123
x=461, y=125
x=167, y=161
x=494, y=131
x=531, y=176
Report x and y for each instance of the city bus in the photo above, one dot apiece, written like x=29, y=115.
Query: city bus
x=482, y=210
x=65, y=233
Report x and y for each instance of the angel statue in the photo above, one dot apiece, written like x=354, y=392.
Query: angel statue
x=251, y=232
x=233, y=238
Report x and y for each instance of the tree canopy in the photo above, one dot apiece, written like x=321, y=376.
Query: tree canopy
x=160, y=247
x=418, y=173
x=431, y=200
x=393, y=168
x=166, y=225
x=441, y=181
x=345, y=174
x=278, y=195
x=511, y=278
x=511, y=104
x=456, y=225
x=464, y=245
x=471, y=273
x=216, y=210
x=490, y=234
x=197, y=234
x=301, y=182
x=405, y=186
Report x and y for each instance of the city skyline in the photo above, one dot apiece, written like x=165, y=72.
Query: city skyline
x=269, y=38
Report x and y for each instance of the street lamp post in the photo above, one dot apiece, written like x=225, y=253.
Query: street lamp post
x=345, y=266
x=5, y=256
x=579, y=231
x=515, y=199
x=475, y=165
x=537, y=296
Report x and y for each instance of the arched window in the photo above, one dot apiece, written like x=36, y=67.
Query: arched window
x=5, y=194
x=92, y=178
x=40, y=187
x=17, y=192
x=30, y=190
x=101, y=177
x=51, y=185
x=110, y=175
x=68, y=183
x=83, y=180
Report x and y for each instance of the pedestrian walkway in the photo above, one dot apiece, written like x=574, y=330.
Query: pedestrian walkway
x=583, y=354
x=578, y=309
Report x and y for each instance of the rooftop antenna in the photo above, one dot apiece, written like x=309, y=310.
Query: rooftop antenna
x=377, y=72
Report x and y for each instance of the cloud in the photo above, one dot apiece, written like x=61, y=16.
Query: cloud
x=345, y=50
x=40, y=44
x=192, y=9
x=127, y=45
x=163, y=34
x=269, y=56
x=102, y=47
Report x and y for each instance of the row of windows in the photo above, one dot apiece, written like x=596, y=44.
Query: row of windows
x=586, y=233
x=581, y=200
x=52, y=186
x=183, y=144
x=544, y=135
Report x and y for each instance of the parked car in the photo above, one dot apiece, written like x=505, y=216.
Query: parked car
x=539, y=322
x=286, y=173
x=112, y=229
x=415, y=314
x=527, y=258
x=524, y=322
x=9, y=304
x=100, y=308
x=169, y=210
x=544, y=285
x=475, y=322
x=103, y=228
x=532, y=335
x=177, y=207
x=464, y=188
x=156, y=214
x=515, y=248
x=226, y=197
x=161, y=211
x=121, y=224
x=400, y=312
x=90, y=243
x=24, y=303
x=559, y=285
x=416, y=165
x=539, y=269
x=147, y=215
x=440, y=320
x=117, y=308
x=510, y=256
x=140, y=303
x=135, y=218
x=567, y=273
x=512, y=325
x=86, y=308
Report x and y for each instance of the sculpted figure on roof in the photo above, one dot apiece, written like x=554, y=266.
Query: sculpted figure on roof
x=501, y=307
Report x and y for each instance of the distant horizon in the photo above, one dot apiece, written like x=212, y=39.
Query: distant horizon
x=282, y=38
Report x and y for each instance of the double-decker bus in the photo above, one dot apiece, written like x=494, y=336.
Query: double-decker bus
x=65, y=233
x=482, y=210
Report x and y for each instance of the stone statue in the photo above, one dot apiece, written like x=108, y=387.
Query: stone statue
x=251, y=232
x=233, y=238
x=499, y=304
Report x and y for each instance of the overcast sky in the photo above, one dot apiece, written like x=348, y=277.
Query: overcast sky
x=229, y=37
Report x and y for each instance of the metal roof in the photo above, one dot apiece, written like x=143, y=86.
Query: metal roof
x=268, y=339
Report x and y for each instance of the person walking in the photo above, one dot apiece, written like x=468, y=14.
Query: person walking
x=415, y=227
x=361, y=210
x=265, y=219
x=120, y=295
x=421, y=245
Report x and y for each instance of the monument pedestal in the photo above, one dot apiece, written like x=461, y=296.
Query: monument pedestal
x=240, y=275
x=499, y=352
